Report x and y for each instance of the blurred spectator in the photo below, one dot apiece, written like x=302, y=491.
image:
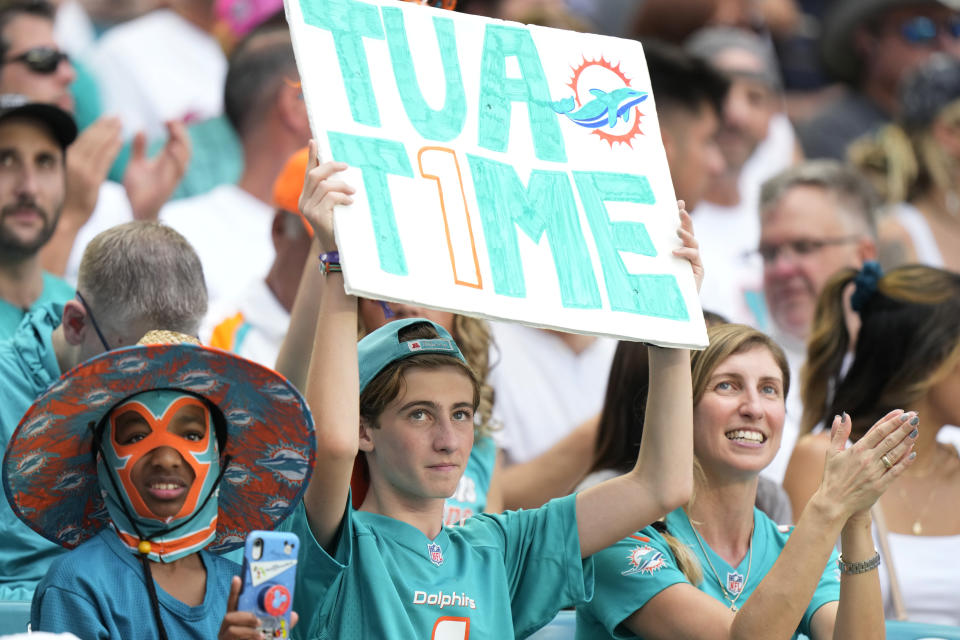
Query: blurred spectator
x=133, y=278
x=610, y=17
x=916, y=165
x=37, y=68
x=230, y=225
x=33, y=144
x=871, y=45
x=545, y=13
x=905, y=354
x=689, y=95
x=757, y=142
x=254, y=324
x=162, y=66
x=815, y=219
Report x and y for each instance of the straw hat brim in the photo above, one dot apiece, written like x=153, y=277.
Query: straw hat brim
x=49, y=470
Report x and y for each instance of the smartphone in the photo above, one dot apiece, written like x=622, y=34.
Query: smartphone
x=269, y=573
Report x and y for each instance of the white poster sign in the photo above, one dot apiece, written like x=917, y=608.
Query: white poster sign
x=505, y=171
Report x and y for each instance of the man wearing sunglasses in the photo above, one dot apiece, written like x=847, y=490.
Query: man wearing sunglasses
x=815, y=219
x=33, y=65
x=871, y=45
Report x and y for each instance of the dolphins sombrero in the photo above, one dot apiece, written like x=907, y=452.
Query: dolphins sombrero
x=50, y=471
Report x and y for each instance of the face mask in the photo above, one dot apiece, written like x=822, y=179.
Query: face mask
x=134, y=432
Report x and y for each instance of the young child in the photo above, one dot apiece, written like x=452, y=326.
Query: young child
x=147, y=462
x=390, y=569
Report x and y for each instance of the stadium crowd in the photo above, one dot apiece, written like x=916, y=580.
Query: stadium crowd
x=176, y=371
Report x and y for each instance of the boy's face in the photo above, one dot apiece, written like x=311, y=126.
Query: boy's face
x=163, y=439
x=423, y=438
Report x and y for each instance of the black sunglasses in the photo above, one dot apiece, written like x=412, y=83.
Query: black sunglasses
x=40, y=59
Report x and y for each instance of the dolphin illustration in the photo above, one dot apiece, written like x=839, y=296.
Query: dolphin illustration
x=605, y=108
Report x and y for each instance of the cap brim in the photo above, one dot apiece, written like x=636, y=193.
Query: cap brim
x=49, y=470
x=61, y=123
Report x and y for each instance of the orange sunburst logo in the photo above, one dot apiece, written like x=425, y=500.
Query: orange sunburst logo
x=604, y=101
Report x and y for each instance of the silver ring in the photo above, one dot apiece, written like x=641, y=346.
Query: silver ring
x=886, y=462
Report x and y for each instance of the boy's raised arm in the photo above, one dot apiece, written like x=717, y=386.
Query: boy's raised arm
x=662, y=478
x=332, y=388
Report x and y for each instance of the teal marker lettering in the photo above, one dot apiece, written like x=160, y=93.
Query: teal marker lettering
x=350, y=21
x=545, y=206
x=656, y=295
x=498, y=92
x=433, y=124
x=377, y=159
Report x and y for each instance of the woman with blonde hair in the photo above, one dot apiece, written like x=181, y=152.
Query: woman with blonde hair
x=906, y=353
x=719, y=556
x=915, y=165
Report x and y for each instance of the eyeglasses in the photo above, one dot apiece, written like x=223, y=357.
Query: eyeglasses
x=796, y=249
x=93, y=321
x=923, y=30
x=40, y=59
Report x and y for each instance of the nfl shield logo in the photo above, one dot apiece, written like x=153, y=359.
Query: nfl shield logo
x=436, y=555
x=734, y=583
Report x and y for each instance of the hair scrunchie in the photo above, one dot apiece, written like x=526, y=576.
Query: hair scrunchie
x=866, y=284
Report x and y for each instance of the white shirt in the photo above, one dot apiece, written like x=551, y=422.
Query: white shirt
x=542, y=389
x=264, y=324
x=231, y=232
x=928, y=576
x=113, y=208
x=158, y=67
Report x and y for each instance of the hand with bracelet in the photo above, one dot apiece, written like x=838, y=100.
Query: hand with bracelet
x=322, y=191
x=743, y=575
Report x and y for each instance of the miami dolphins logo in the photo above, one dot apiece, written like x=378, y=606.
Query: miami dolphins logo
x=603, y=101
x=288, y=465
x=644, y=559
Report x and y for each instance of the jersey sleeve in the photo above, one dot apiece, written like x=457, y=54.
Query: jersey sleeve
x=319, y=573
x=628, y=575
x=60, y=610
x=828, y=590
x=541, y=554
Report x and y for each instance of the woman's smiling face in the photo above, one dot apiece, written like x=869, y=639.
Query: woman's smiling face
x=739, y=420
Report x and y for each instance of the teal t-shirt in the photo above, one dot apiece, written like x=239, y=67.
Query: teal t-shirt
x=497, y=576
x=28, y=365
x=55, y=290
x=471, y=494
x=640, y=566
x=98, y=591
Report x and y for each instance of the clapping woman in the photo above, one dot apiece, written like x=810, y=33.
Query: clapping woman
x=718, y=567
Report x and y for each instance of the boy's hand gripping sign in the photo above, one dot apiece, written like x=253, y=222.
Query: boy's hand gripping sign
x=505, y=171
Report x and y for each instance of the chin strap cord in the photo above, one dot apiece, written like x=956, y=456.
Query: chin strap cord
x=154, y=601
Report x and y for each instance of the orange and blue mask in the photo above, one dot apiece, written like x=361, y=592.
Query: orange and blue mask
x=194, y=525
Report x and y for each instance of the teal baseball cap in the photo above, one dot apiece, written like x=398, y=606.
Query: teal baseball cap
x=381, y=347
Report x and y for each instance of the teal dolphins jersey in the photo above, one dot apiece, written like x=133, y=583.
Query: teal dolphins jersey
x=640, y=566
x=497, y=576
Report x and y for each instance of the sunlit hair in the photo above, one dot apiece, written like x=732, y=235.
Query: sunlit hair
x=854, y=194
x=909, y=340
x=902, y=164
x=727, y=340
x=143, y=273
x=387, y=385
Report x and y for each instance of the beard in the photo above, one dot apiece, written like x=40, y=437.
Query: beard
x=16, y=247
